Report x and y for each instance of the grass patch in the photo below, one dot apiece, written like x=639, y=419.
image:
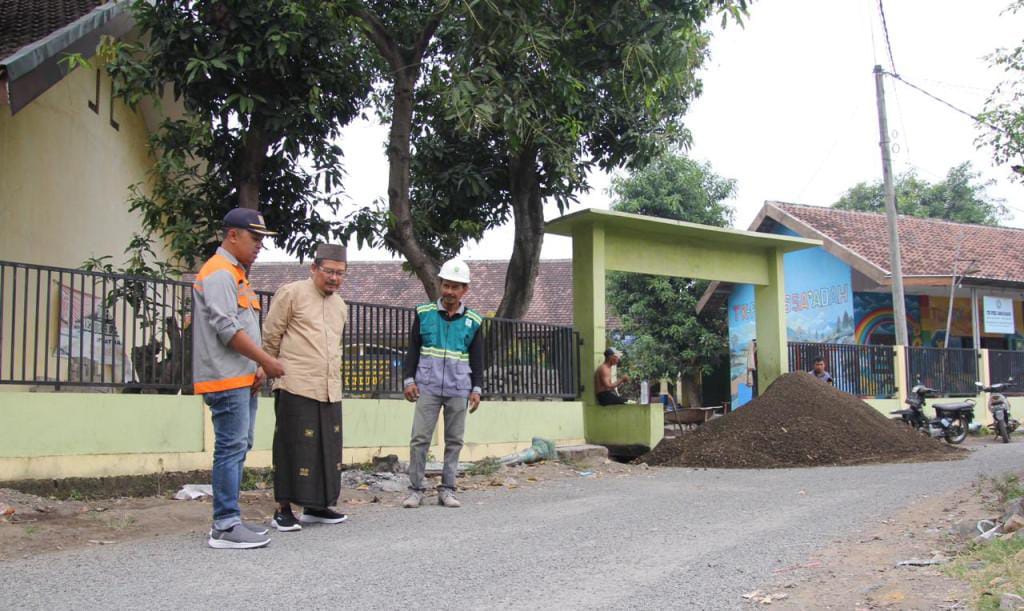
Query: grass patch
x=1007, y=487
x=257, y=479
x=487, y=466
x=120, y=521
x=992, y=569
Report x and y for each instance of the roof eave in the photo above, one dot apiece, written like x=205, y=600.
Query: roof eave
x=840, y=251
x=36, y=67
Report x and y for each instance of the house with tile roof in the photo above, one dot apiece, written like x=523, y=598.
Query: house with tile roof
x=387, y=283
x=840, y=293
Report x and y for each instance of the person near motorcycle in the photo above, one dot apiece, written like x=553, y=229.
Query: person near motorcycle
x=819, y=371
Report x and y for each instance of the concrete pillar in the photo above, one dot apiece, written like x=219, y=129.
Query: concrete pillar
x=899, y=359
x=769, y=303
x=981, y=413
x=588, y=283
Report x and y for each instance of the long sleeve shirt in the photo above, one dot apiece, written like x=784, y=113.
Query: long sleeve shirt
x=303, y=330
x=224, y=305
x=476, y=351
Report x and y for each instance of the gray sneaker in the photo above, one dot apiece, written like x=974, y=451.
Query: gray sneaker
x=447, y=498
x=413, y=500
x=236, y=537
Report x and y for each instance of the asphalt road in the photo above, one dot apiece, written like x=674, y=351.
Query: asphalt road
x=667, y=538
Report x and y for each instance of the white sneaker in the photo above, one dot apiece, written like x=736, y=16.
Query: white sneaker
x=447, y=498
x=413, y=500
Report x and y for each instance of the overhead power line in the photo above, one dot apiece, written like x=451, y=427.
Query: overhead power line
x=973, y=116
x=885, y=29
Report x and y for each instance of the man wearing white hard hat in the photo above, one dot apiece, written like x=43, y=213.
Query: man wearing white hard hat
x=443, y=370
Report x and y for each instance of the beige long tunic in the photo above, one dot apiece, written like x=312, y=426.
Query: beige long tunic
x=303, y=330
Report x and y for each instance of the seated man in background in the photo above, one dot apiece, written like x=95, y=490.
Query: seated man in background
x=605, y=386
x=819, y=371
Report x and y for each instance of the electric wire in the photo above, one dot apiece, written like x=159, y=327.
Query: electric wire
x=885, y=30
x=974, y=117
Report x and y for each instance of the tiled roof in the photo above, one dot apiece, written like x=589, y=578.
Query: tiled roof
x=928, y=246
x=25, y=21
x=384, y=282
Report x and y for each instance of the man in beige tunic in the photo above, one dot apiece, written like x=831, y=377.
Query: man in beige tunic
x=303, y=330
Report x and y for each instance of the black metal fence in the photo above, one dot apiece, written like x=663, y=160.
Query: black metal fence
x=521, y=359
x=64, y=327
x=951, y=371
x=864, y=371
x=1006, y=364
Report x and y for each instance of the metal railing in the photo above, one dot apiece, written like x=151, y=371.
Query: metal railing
x=951, y=371
x=1006, y=364
x=521, y=359
x=63, y=327
x=864, y=371
x=66, y=327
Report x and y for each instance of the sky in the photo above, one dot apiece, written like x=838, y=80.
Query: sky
x=788, y=109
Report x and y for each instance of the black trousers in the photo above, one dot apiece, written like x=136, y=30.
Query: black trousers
x=307, y=451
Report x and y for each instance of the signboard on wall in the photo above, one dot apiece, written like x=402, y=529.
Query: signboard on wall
x=998, y=315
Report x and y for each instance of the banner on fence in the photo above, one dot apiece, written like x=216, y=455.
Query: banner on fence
x=87, y=334
x=998, y=317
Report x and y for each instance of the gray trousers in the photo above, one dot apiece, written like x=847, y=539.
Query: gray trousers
x=423, y=423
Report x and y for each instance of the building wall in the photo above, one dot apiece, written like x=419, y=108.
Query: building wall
x=65, y=175
x=65, y=172
x=818, y=305
x=46, y=435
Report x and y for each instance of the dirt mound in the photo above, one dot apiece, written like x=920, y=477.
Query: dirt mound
x=799, y=422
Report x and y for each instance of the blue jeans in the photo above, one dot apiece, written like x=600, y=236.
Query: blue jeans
x=234, y=416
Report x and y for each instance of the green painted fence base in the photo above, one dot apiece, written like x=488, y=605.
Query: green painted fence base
x=56, y=435
x=624, y=425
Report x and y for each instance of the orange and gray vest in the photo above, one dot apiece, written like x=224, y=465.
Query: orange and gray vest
x=224, y=303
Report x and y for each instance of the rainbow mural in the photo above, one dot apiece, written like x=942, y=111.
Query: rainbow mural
x=883, y=318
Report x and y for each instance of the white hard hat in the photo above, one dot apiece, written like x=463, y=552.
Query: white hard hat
x=455, y=270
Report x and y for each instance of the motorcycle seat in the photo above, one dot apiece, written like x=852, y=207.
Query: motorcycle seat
x=954, y=407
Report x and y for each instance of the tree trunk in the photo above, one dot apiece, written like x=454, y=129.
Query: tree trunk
x=691, y=386
x=405, y=63
x=251, y=160
x=528, y=216
x=401, y=235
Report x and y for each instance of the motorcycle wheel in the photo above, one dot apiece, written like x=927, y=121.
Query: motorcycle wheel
x=1004, y=432
x=957, y=432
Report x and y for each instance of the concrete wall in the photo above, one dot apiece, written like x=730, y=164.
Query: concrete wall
x=55, y=435
x=66, y=172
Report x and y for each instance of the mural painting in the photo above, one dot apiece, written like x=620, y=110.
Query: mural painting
x=818, y=306
x=875, y=321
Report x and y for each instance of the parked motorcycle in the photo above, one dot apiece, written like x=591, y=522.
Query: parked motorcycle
x=951, y=420
x=1002, y=423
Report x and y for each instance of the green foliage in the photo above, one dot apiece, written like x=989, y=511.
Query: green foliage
x=261, y=90
x=485, y=466
x=658, y=311
x=519, y=100
x=1007, y=488
x=960, y=197
x=257, y=479
x=1003, y=114
x=991, y=568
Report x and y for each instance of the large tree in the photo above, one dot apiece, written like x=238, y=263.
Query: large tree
x=516, y=102
x=1002, y=127
x=266, y=86
x=961, y=197
x=659, y=313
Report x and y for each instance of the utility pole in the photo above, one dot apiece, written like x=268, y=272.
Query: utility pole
x=899, y=307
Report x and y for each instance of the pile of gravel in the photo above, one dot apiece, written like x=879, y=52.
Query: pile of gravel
x=799, y=421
